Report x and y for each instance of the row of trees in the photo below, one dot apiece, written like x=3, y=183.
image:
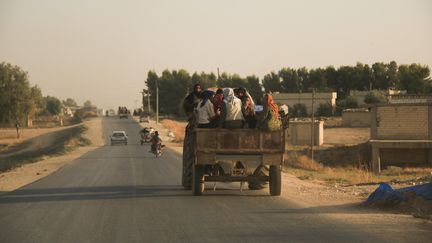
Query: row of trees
x=19, y=100
x=174, y=85
x=380, y=76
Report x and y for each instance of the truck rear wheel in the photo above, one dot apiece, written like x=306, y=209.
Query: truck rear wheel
x=275, y=180
x=198, y=180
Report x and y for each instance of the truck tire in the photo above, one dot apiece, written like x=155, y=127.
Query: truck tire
x=258, y=185
x=188, y=159
x=198, y=180
x=275, y=180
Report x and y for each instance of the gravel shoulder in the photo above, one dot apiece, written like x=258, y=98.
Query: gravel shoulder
x=31, y=172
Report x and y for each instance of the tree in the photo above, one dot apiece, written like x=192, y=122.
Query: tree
x=224, y=81
x=290, y=81
x=272, y=83
x=318, y=79
x=15, y=94
x=254, y=88
x=414, y=78
x=34, y=103
x=151, y=81
x=392, y=75
x=87, y=103
x=205, y=80
x=379, y=76
x=69, y=102
x=53, y=105
x=173, y=88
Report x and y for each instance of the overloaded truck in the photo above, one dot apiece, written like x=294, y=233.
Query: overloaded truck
x=233, y=155
x=123, y=112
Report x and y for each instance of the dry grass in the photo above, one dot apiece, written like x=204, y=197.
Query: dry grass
x=8, y=135
x=176, y=127
x=304, y=168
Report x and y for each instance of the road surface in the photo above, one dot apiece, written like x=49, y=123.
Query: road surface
x=124, y=194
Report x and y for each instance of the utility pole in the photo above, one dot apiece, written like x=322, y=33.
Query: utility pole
x=313, y=125
x=157, y=102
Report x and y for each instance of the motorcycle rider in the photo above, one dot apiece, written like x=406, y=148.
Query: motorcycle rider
x=146, y=133
x=155, y=141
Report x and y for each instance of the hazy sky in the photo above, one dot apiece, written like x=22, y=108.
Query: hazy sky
x=102, y=50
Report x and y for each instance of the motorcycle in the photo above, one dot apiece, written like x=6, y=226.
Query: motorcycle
x=146, y=137
x=156, y=149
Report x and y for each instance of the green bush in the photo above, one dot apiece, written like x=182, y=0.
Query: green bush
x=375, y=97
x=298, y=110
x=324, y=110
x=348, y=103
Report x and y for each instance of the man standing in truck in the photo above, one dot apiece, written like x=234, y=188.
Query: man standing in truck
x=191, y=101
x=189, y=104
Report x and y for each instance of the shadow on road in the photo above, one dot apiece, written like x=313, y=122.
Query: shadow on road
x=115, y=192
x=91, y=193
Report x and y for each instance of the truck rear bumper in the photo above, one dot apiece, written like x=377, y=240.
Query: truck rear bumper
x=264, y=159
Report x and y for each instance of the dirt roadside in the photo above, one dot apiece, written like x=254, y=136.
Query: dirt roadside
x=28, y=173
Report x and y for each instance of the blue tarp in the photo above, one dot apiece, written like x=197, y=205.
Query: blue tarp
x=386, y=194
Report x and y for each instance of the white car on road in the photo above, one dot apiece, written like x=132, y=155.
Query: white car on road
x=119, y=137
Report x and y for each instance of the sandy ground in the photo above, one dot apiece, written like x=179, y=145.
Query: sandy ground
x=28, y=173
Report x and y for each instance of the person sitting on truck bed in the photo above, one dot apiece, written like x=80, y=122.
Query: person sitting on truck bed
x=217, y=103
x=205, y=110
x=248, y=107
x=232, y=116
x=268, y=119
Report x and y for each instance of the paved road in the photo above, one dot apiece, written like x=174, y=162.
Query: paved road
x=124, y=194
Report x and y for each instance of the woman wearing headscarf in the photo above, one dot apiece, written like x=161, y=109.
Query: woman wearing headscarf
x=232, y=116
x=268, y=119
x=205, y=110
x=248, y=107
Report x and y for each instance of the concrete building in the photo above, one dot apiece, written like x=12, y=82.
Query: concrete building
x=409, y=99
x=356, y=118
x=401, y=134
x=359, y=96
x=292, y=99
x=299, y=133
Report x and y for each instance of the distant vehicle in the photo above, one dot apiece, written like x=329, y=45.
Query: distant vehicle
x=144, y=119
x=123, y=112
x=119, y=137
